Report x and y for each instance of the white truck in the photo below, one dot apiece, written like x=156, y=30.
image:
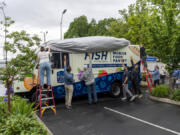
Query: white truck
x=106, y=62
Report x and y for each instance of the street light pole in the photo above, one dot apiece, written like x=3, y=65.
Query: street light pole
x=44, y=35
x=5, y=31
x=64, y=11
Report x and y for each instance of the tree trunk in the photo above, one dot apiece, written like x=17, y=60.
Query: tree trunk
x=171, y=84
x=9, y=98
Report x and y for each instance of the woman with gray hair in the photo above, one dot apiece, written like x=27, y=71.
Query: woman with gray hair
x=88, y=77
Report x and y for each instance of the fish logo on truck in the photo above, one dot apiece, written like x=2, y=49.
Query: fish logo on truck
x=98, y=56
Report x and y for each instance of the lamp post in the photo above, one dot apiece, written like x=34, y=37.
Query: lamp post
x=44, y=35
x=2, y=5
x=64, y=11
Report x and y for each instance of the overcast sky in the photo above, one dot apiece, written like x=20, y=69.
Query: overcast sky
x=35, y=16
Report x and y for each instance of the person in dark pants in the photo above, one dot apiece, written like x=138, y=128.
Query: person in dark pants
x=135, y=80
x=156, y=76
x=143, y=55
x=88, y=77
x=126, y=80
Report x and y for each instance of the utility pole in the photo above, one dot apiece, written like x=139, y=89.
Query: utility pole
x=44, y=35
x=64, y=11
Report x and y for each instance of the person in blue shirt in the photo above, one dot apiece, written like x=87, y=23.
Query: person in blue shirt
x=156, y=75
x=176, y=78
x=68, y=84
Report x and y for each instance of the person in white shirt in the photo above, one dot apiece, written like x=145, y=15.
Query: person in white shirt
x=43, y=61
x=163, y=73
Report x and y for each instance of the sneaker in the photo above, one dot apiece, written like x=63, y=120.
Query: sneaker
x=69, y=107
x=136, y=96
x=124, y=98
x=132, y=98
x=66, y=106
x=140, y=96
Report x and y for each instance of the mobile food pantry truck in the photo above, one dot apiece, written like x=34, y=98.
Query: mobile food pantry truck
x=107, y=53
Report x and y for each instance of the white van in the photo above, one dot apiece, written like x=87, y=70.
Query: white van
x=106, y=62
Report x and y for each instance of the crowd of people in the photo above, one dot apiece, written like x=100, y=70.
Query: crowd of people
x=130, y=77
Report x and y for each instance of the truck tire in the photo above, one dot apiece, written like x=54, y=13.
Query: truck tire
x=115, y=90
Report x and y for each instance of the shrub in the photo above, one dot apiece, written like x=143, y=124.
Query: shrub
x=161, y=91
x=3, y=109
x=176, y=95
x=20, y=121
x=21, y=125
x=20, y=106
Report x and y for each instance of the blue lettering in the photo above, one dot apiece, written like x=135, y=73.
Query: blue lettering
x=92, y=56
x=104, y=54
x=97, y=56
x=86, y=55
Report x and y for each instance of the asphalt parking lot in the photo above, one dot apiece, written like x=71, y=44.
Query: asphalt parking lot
x=114, y=117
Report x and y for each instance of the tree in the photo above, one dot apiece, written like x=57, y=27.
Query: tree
x=81, y=28
x=103, y=26
x=165, y=33
x=118, y=29
x=133, y=23
x=155, y=23
x=17, y=68
x=92, y=28
x=78, y=28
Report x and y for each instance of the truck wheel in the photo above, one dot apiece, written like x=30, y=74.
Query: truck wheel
x=115, y=90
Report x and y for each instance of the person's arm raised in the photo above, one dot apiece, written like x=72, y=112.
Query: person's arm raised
x=49, y=49
x=122, y=60
x=90, y=60
x=65, y=62
x=132, y=62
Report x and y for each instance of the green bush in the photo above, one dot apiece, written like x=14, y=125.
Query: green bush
x=20, y=121
x=21, y=125
x=176, y=95
x=20, y=106
x=161, y=91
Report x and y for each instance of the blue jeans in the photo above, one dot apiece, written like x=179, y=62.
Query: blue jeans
x=45, y=67
x=92, y=90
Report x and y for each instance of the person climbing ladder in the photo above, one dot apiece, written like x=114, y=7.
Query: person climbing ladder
x=43, y=61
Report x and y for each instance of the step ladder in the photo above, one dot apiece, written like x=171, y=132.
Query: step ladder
x=44, y=98
x=148, y=77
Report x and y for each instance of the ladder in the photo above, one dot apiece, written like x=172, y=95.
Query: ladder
x=44, y=98
x=148, y=77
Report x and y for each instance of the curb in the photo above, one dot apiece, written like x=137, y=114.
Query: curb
x=49, y=132
x=165, y=100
